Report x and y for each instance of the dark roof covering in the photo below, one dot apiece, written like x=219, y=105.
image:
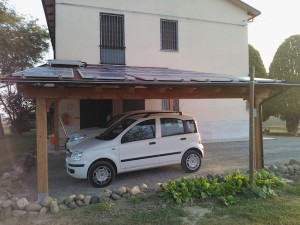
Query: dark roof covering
x=125, y=75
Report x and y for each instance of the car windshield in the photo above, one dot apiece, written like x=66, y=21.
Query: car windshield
x=115, y=130
x=114, y=120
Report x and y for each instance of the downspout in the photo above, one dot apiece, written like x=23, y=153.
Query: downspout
x=260, y=122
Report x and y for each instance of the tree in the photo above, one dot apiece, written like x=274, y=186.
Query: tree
x=286, y=66
x=256, y=61
x=23, y=43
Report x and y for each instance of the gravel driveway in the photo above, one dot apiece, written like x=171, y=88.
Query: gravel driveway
x=219, y=158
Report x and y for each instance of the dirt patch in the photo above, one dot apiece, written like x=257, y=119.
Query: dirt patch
x=194, y=214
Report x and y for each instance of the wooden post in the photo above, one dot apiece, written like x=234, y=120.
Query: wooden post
x=42, y=148
x=251, y=130
x=259, y=159
x=56, y=125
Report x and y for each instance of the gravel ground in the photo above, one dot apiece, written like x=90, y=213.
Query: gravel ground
x=219, y=158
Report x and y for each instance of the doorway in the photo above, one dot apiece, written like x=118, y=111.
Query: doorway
x=94, y=113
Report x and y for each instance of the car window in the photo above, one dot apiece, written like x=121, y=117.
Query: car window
x=190, y=126
x=171, y=126
x=116, y=129
x=114, y=120
x=141, y=131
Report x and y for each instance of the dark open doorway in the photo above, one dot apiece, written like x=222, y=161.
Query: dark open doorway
x=94, y=112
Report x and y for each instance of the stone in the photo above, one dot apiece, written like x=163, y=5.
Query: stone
x=72, y=205
x=61, y=201
x=108, y=190
x=143, y=186
x=46, y=201
x=294, y=161
x=79, y=203
x=157, y=187
x=22, y=203
x=19, y=213
x=296, y=167
x=5, y=176
x=32, y=215
x=43, y=211
x=7, y=183
x=72, y=197
x=54, y=207
x=33, y=207
x=63, y=206
x=273, y=168
x=281, y=169
x=4, y=192
x=121, y=191
x=115, y=196
x=5, y=213
x=87, y=199
x=135, y=190
x=107, y=193
x=94, y=199
x=219, y=177
x=126, y=195
x=210, y=177
x=291, y=170
x=6, y=203
x=79, y=197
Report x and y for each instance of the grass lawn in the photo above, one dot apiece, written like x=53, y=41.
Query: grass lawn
x=278, y=130
x=15, y=145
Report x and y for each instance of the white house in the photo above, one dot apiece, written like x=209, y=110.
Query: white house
x=198, y=35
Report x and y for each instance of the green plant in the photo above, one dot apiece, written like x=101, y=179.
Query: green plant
x=265, y=182
x=226, y=190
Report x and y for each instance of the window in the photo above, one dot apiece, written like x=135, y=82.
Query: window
x=170, y=104
x=112, y=40
x=171, y=126
x=142, y=131
x=169, y=35
x=190, y=126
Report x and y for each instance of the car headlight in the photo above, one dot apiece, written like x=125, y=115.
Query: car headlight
x=76, y=155
x=77, y=138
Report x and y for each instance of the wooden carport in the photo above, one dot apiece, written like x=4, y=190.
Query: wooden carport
x=155, y=83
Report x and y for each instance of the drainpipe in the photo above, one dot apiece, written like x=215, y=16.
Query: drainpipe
x=261, y=132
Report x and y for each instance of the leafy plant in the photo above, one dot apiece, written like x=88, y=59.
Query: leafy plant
x=226, y=190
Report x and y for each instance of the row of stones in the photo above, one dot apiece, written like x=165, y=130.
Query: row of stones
x=292, y=168
x=22, y=208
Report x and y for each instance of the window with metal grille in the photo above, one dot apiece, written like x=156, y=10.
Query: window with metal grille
x=112, y=42
x=169, y=35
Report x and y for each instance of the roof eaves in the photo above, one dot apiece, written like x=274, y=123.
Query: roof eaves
x=252, y=12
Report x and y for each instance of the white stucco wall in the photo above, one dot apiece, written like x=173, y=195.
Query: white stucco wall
x=212, y=38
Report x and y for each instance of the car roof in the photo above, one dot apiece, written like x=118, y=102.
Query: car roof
x=162, y=115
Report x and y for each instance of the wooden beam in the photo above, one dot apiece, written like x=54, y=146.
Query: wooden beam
x=42, y=149
x=207, y=92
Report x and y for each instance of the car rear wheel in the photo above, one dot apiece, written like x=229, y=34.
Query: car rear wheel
x=191, y=161
x=101, y=174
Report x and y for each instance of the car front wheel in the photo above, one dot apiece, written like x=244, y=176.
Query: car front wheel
x=101, y=174
x=191, y=161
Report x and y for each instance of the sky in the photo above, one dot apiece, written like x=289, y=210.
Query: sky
x=279, y=20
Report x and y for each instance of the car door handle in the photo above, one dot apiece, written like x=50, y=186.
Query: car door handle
x=152, y=143
x=182, y=139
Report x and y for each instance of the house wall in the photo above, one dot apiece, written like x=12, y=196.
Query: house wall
x=212, y=38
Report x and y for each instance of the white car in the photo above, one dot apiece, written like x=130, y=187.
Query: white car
x=87, y=133
x=137, y=142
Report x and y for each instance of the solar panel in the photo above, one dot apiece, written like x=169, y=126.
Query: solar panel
x=165, y=74
x=46, y=72
x=103, y=75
